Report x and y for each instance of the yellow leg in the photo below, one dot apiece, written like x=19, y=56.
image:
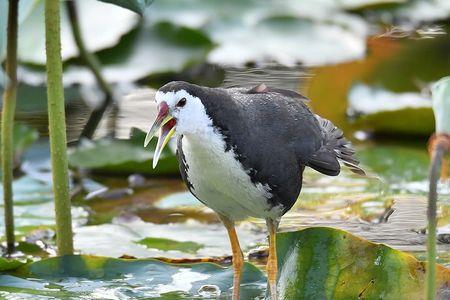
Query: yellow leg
x=272, y=264
x=238, y=257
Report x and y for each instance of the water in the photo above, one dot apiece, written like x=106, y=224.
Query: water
x=387, y=207
x=357, y=204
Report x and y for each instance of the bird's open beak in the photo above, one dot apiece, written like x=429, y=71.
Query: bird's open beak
x=166, y=125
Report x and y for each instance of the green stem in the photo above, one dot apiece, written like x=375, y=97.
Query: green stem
x=9, y=107
x=432, y=222
x=94, y=65
x=57, y=127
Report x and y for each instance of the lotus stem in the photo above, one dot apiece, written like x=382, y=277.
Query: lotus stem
x=57, y=128
x=94, y=65
x=8, y=110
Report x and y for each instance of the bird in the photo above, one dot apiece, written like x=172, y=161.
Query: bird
x=242, y=152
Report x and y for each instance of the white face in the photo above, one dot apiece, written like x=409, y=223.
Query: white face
x=188, y=111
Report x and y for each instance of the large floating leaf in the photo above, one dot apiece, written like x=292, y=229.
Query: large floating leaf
x=138, y=6
x=315, y=263
x=325, y=263
x=95, y=277
x=114, y=156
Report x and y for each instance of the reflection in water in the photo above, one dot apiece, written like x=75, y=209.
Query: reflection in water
x=367, y=207
x=291, y=78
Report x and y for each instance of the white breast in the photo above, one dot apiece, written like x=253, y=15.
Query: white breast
x=220, y=181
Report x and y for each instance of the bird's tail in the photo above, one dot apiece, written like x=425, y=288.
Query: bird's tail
x=335, y=150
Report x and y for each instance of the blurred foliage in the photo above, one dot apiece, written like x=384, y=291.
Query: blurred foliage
x=138, y=6
x=441, y=105
x=395, y=163
x=95, y=15
x=23, y=137
x=9, y=264
x=122, y=156
x=396, y=65
x=408, y=121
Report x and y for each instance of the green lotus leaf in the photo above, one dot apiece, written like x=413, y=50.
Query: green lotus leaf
x=115, y=156
x=89, y=276
x=9, y=264
x=326, y=263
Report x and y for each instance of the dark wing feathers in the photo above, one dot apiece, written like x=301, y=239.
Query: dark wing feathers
x=262, y=88
x=334, y=149
x=290, y=135
x=325, y=155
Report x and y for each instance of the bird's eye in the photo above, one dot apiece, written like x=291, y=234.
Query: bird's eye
x=182, y=102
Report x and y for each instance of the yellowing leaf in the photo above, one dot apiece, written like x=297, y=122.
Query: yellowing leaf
x=326, y=263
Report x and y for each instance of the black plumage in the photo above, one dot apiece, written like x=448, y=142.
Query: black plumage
x=273, y=134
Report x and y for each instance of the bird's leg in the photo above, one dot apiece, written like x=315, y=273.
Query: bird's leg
x=272, y=264
x=238, y=258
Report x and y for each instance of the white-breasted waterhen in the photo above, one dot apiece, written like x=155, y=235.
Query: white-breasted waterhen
x=242, y=152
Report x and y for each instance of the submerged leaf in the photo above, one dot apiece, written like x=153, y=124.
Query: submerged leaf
x=326, y=263
x=168, y=244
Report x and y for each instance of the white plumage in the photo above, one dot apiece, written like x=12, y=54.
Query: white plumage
x=218, y=179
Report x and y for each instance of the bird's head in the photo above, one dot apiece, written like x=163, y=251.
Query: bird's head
x=180, y=111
